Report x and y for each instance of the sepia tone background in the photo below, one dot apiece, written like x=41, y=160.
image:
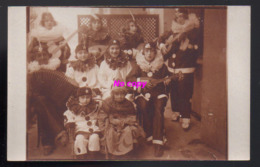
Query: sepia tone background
x=207, y=140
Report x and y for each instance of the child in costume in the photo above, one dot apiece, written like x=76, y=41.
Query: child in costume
x=83, y=70
x=123, y=131
x=94, y=35
x=86, y=118
x=45, y=38
x=181, y=58
x=116, y=66
x=131, y=38
x=151, y=100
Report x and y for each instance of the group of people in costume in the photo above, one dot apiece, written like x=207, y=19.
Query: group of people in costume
x=109, y=119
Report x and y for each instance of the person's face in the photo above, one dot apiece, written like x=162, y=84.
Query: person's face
x=149, y=55
x=114, y=50
x=48, y=22
x=132, y=28
x=84, y=100
x=96, y=25
x=180, y=19
x=119, y=97
x=82, y=55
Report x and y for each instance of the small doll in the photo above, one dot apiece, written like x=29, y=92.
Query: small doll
x=86, y=118
x=123, y=131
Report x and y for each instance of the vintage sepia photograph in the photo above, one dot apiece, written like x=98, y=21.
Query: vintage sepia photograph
x=128, y=83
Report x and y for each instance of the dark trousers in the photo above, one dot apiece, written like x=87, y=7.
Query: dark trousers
x=151, y=116
x=181, y=93
x=50, y=120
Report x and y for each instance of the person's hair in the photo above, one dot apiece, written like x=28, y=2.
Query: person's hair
x=155, y=51
x=92, y=19
x=127, y=27
x=184, y=13
x=153, y=47
x=113, y=92
x=47, y=14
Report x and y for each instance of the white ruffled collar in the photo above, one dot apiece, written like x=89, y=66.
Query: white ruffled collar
x=43, y=34
x=190, y=23
x=146, y=66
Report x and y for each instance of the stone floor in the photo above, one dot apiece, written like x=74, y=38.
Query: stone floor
x=182, y=145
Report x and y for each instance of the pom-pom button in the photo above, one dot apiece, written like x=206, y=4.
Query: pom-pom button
x=87, y=118
x=149, y=74
x=84, y=79
x=89, y=123
x=90, y=130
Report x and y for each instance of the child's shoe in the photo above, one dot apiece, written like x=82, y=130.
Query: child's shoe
x=158, y=150
x=185, y=123
x=175, y=116
x=47, y=150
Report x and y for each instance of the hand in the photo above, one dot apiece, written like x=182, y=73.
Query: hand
x=149, y=85
x=163, y=49
x=180, y=76
x=167, y=81
x=50, y=43
x=63, y=43
x=170, y=39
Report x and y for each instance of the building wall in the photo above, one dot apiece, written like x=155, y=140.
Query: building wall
x=214, y=81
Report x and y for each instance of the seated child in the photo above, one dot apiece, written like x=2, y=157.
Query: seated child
x=123, y=130
x=83, y=70
x=116, y=66
x=151, y=100
x=86, y=118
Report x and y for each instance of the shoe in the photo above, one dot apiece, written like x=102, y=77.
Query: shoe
x=62, y=138
x=149, y=140
x=185, y=123
x=47, y=150
x=175, y=116
x=158, y=150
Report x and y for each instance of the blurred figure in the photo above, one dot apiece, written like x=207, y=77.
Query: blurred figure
x=47, y=49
